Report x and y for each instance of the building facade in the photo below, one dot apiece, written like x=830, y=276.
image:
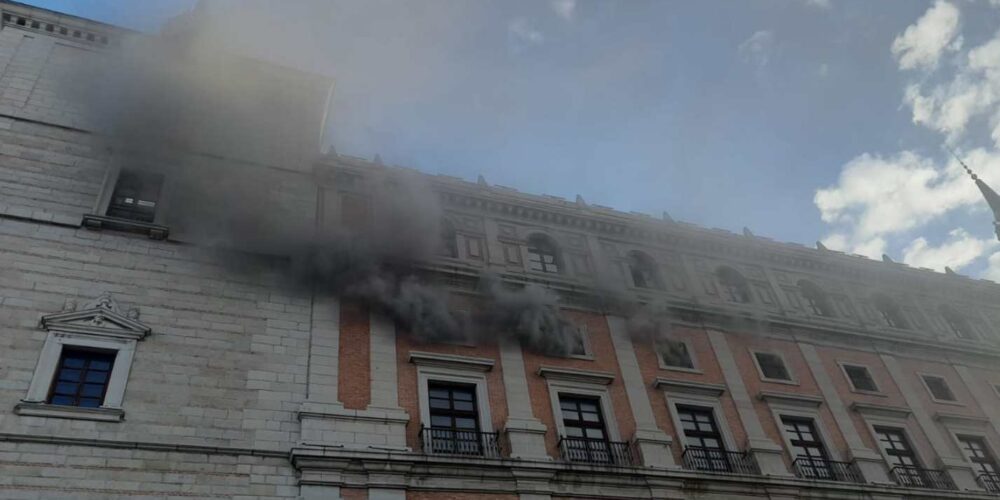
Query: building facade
x=140, y=361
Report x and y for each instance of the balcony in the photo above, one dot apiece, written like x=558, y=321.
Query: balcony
x=916, y=477
x=716, y=460
x=827, y=470
x=596, y=451
x=463, y=443
x=990, y=481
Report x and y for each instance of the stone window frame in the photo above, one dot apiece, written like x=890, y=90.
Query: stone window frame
x=850, y=383
x=451, y=368
x=84, y=329
x=921, y=451
x=801, y=406
x=572, y=382
x=957, y=425
x=923, y=380
x=792, y=379
x=698, y=395
x=98, y=218
x=695, y=365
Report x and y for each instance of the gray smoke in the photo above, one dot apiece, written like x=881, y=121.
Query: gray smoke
x=222, y=128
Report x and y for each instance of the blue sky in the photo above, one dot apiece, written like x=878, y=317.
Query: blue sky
x=804, y=120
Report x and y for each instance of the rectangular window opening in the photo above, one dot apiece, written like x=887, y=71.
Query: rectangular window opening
x=135, y=196
x=675, y=354
x=860, y=378
x=772, y=366
x=454, y=418
x=938, y=388
x=82, y=377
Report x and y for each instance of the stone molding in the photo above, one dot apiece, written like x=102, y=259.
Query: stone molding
x=576, y=375
x=878, y=410
x=957, y=419
x=32, y=409
x=451, y=361
x=101, y=317
x=790, y=398
x=689, y=387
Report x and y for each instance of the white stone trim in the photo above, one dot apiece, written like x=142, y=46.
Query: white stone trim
x=70, y=412
x=792, y=379
x=428, y=373
x=923, y=380
x=788, y=408
x=789, y=399
x=689, y=388
x=453, y=361
x=850, y=383
x=384, y=383
x=918, y=449
x=575, y=387
x=589, y=377
x=48, y=363
x=954, y=430
x=712, y=403
x=874, y=410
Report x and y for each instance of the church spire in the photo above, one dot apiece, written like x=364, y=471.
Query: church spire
x=992, y=198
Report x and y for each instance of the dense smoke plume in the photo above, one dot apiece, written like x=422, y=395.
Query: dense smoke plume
x=224, y=131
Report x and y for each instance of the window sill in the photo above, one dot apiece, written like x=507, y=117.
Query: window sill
x=870, y=393
x=779, y=381
x=946, y=402
x=681, y=369
x=97, y=222
x=70, y=412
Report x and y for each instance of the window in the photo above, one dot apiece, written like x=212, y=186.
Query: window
x=734, y=286
x=542, y=254
x=579, y=347
x=984, y=465
x=448, y=245
x=889, y=311
x=135, y=196
x=454, y=420
x=938, y=387
x=817, y=302
x=860, y=378
x=772, y=366
x=807, y=450
x=702, y=437
x=586, y=437
x=957, y=323
x=642, y=267
x=900, y=456
x=674, y=354
x=82, y=378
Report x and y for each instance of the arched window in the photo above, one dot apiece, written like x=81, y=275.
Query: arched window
x=734, y=286
x=889, y=311
x=957, y=322
x=448, y=245
x=642, y=267
x=816, y=299
x=543, y=255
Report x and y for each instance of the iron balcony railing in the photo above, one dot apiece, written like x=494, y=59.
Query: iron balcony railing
x=990, y=481
x=829, y=470
x=918, y=477
x=436, y=441
x=716, y=460
x=596, y=451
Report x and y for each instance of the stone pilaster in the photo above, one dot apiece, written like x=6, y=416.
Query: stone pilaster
x=525, y=433
x=768, y=454
x=653, y=443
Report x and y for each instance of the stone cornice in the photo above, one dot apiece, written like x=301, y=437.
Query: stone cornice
x=877, y=410
x=689, y=387
x=451, y=361
x=963, y=420
x=575, y=375
x=790, y=398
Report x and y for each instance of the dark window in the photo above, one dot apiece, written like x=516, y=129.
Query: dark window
x=887, y=308
x=939, y=388
x=542, y=254
x=979, y=454
x=816, y=299
x=702, y=434
x=861, y=379
x=22, y=21
x=454, y=418
x=50, y=28
x=136, y=195
x=643, y=270
x=734, y=286
x=900, y=454
x=81, y=378
x=584, y=426
x=674, y=353
x=807, y=447
x=772, y=366
x=578, y=342
x=63, y=31
x=957, y=323
x=35, y=24
x=449, y=240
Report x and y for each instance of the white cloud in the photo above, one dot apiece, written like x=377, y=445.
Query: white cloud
x=993, y=268
x=757, y=49
x=520, y=34
x=823, y=4
x=960, y=250
x=923, y=42
x=564, y=8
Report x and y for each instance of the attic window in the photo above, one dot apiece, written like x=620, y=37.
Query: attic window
x=957, y=323
x=136, y=196
x=816, y=299
x=889, y=311
x=34, y=24
x=734, y=286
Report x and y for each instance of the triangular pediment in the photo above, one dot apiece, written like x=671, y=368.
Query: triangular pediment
x=101, y=317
